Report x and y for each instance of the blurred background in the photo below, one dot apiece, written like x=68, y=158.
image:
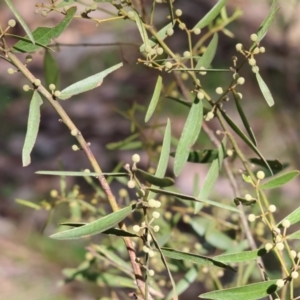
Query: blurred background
x=30, y=263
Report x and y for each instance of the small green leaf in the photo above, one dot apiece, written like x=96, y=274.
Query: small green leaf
x=155, y=98
x=209, y=53
x=211, y=177
x=111, y=231
x=95, y=227
x=279, y=180
x=141, y=28
x=20, y=19
x=293, y=217
x=32, y=127
x=241, y=134
x=244, y=118
x=294, y=236
x=164, y=157
x=82, y=174
x=240, y=257
x=247, y=179
x=192, y=198
x=28, y=204
x=161, y=34
x=211, y=15
x=157, y=181
x=87, y=84
x=265, y=90
x=51, y=70
x=43, y=35
x=126, y=144
x=253, y=291
x=263, y=28
x=188, y=136
x=194, y=258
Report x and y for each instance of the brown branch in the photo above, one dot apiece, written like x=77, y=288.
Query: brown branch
x=90, y=156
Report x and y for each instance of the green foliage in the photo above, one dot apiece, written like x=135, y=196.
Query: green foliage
x=179, y=238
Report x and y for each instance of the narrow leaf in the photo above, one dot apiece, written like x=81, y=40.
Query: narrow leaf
x=28, y=204
x=20, y=19
x=194, y=258
x=32, y=127
x=164, y=157
x=244, y=118
x=83, y=174
x=141, y=28
x=95, y=227
x=43, y=35
x=218, y=238
x=265, y=90
x=240, y=133
x=211, y=177
x=188, y=136
x=253, y=291
x=157, y=181
x=87, y=84
x=209, y=54
x=265, y=25
x=51, y=70
x=279, y=180
x=155, y=98
x=111, y=231
x=192, y=198
x=240, y=257
x=211, y=15
x=294, y=236
x=293, y=217
x=243, y=201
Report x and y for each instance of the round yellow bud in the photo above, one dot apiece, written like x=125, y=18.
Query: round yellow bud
x=26, y=87
x=12, y=23
x=286, y=223
x=52, y=87
x=170, y=31
x=260, y=175
x=186, y=54
x=253, y=37
x=37, y=82
x=155, y=215
x=53, y=193
x=280, y=246
x=219, y=90
x=272, y=208
x=251, y=218
x=131, y=184
x=151, y=272
x=75, y=148
x=136, y=158
x=280, y=283
x=136, y=228
x=178, y=12
x=57, y=93
x=294, y=274
x=241, y=80
x=197, y=31
x=156, y=228
x=268, y=246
